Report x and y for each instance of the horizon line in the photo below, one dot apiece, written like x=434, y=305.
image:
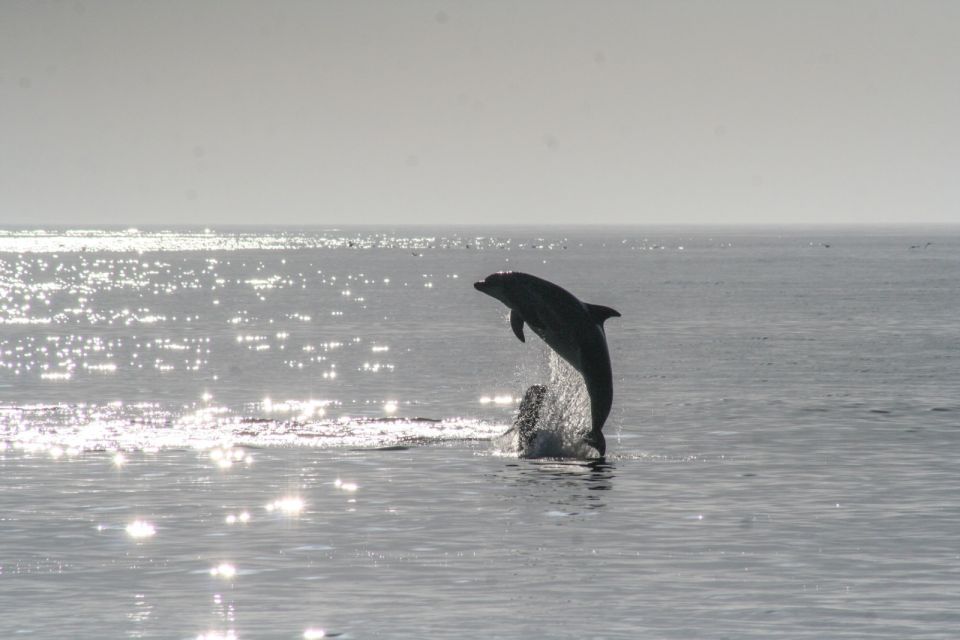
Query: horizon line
x=211, y=225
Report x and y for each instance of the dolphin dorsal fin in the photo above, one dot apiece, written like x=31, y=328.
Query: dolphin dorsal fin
x=516, y=323
x=600, y=313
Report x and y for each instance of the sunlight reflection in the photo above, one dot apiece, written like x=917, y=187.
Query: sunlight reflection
x=224, y=457
x=306, y=408
x=345, y=486
x=242, y=517
x=223, y=570
x=216, y=635
x=140, y=529
x=290, y=505
x=56, y=376
x=220, y=435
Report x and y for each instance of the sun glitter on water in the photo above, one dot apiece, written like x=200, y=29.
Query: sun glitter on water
x=139, y=529
x=288, y=506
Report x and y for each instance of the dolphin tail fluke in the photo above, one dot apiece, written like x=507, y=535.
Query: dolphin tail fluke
x=596, y=440
x=516, y=323
x=600, y=313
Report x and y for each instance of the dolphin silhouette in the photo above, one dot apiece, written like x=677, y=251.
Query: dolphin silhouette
x=572, y=328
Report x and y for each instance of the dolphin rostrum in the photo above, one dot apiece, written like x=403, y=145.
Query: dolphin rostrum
x=572, y=328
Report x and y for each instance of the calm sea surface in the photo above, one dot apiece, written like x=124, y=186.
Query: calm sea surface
x=292, y=433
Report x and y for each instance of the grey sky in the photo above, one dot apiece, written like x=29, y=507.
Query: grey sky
x=474, y=112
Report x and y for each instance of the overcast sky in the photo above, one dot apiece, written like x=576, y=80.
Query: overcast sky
x=479, y=112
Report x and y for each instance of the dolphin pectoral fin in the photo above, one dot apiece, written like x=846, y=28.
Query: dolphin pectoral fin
x=516, y=323
x=600, y=313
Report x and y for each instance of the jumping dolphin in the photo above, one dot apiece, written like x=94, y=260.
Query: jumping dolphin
x=572, y=328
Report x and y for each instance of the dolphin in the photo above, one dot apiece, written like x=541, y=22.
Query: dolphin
x=572, y=328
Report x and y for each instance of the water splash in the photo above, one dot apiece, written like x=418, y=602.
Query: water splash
x=564, y=415
x=567, y=404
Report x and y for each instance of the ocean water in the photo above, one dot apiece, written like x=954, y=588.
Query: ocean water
x=295, y=433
